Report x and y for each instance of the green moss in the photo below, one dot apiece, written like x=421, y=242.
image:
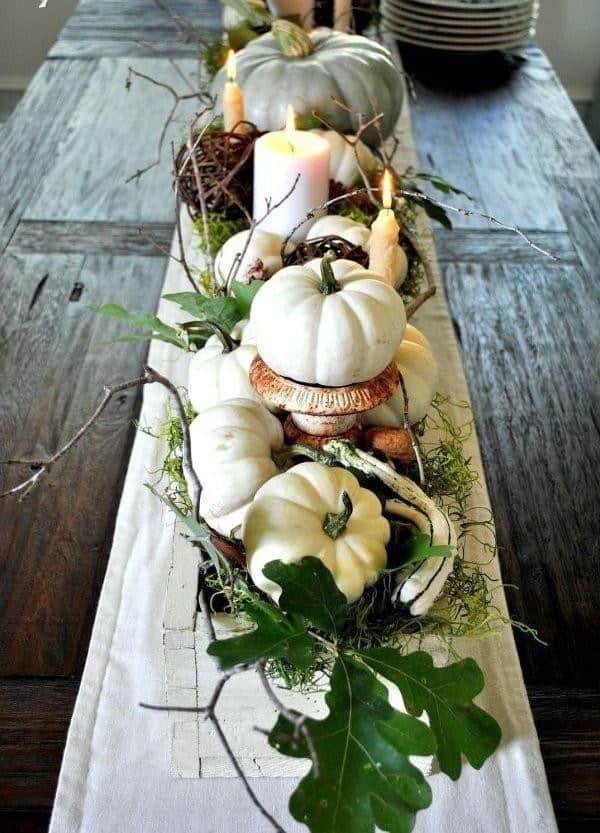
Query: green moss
x=220, y=229
x=413, y=283
x=213, y=54
x=349, y=209
x=170, y=477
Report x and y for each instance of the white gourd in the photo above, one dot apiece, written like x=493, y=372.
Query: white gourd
x=261, y=258
x=288, y=520
x=419, y=584
x=232, y=445
x=419, y=369
x=346, y=160
x=327, y=323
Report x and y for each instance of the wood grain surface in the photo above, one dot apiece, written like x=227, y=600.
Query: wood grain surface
x=504, y=130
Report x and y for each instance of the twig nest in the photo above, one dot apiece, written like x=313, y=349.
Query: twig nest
x=248, y=255
x=348, y=156
x=419, y=369
x=327, y=323
x=339, y=226
x=331, y=244
x=224, y=163
x=322, y=511
x=232, y=447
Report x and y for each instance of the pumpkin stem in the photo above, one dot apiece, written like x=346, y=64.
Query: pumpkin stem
x=328, y=284
x=226, y=340
x=334, y=524
x=293, y=40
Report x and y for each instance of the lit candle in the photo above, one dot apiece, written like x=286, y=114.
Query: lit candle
x=294, y=163
x=342, y=14
x=386, y=258
x=233, y=99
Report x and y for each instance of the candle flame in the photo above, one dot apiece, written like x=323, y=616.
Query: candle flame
x=290, y=122
x=387, y=188
x=231, y=68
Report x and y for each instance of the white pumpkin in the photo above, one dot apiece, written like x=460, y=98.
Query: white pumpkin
x=340, y=226
x=232, y=444
x=327, y=323
x=291, y=517
x=218, y=372
x=419, y=369
x=261, y=258
x=346, y=160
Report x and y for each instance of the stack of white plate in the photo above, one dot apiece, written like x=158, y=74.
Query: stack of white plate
x=461, y=25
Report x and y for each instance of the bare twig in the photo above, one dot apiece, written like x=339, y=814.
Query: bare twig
x=419, y=301
x=411, y=433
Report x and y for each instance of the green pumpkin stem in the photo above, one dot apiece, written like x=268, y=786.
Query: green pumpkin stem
x=293, y=40
x=328, y=284
x=334, y=524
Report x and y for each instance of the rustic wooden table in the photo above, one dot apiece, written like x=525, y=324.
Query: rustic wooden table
x=69, y=240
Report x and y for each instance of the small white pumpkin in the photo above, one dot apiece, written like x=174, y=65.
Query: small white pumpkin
x=261, y=258
x=232, y=444
x=314, y=509
x=327, y=323
x=346, y=160
x=340, y=226
x=419, y=369
x=219, y=371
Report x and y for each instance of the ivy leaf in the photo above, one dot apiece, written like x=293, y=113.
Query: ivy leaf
x=418, y=548
x=277, y=635
x=446, y=694
x=224, y=312
x=244, y=294
x=433, y=211
x=441, y=184
x=150, y=326
x=365, y=778
x=308, y=589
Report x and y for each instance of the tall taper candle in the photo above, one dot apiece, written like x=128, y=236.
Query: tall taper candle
x=386, y=258
x=292, y=162
x=233, y=99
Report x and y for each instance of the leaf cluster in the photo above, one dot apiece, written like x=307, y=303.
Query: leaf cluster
x=361, y=775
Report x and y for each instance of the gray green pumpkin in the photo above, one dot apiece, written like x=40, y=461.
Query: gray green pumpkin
x=309, y=71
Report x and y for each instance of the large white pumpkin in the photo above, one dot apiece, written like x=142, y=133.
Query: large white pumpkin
x=290, y=518
x=419, y=369
x=232, y=446
x=260, y=259
x=327, y=323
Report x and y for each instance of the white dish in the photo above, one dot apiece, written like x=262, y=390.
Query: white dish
x=463, y=22
x=435, y=29
x=431, y=13
x=457, y=47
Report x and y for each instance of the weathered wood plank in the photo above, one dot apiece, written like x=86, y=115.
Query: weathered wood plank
x=72, y=237
x=34, y=718
x=31, y=136
x=498, y=246
x=55, y=361
x=528, y=334
x=107, y=139
x=111, y=28
x=515, y=128
x=580, y=203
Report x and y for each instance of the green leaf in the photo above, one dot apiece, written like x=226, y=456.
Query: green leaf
x=277, y=635
x=365, y=778
x=309, y=590
x=441, y=184
x=433, y=211
x=224, y=312
x=244, y=294
x=150, y=326
x=418, y=548
x=446, y=694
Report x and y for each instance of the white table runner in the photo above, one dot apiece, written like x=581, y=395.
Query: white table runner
x=116, y=771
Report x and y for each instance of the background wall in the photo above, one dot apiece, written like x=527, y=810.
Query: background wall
x=569, y=31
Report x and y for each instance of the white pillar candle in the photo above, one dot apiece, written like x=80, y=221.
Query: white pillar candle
x=281, y=159
x=342, y=15
x=302, y=9
x=233, y=99
x=384, y=252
